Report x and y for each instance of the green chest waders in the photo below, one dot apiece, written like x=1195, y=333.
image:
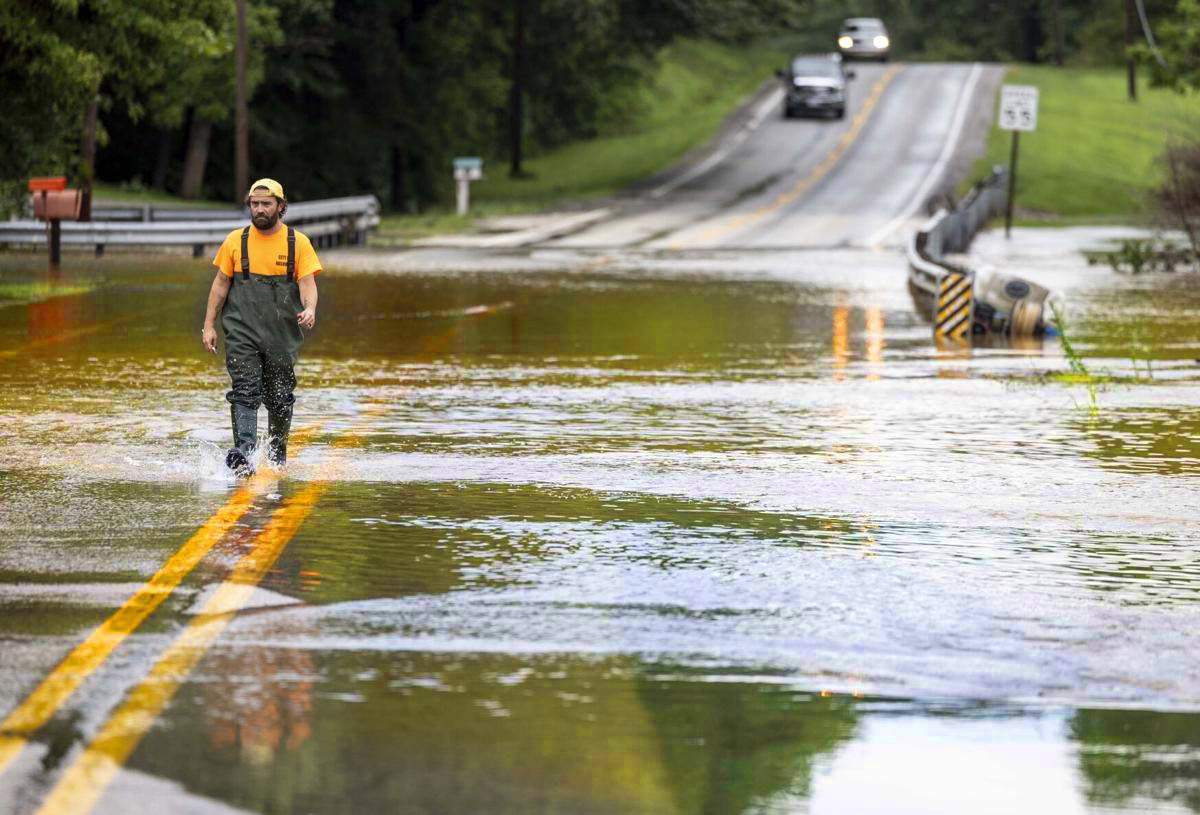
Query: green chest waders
x=262, y=342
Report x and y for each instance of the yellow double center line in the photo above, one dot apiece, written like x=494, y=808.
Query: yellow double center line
x=86, y=657
x=90, y=774
x=802, y=186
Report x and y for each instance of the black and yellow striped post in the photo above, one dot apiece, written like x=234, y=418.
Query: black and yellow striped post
x=955, y=307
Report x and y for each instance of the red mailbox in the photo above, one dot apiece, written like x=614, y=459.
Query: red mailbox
x=54, y=183
x=52, y=201
x=60, y=205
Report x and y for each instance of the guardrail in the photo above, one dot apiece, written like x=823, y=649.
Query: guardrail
x=329, y=222
x=959, y=305
x=148, y=213
x=953, y=231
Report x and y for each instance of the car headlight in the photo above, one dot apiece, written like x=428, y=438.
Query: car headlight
x=881, y=41
x=845, y=42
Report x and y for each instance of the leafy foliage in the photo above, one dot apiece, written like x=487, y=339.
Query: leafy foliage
x=56, y=57
x=1179, y=39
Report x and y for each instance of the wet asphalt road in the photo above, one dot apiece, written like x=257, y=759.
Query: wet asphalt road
x=862, y=181
x=603, y=530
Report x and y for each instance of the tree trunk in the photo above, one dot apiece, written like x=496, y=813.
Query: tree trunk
x=88, y=152
x=401, y=197
x=1059, y=34
x=196, y=157
x=1031, y=31
x=1130, y=67
x=241, y=148
x=516, y=114
x=162, y=162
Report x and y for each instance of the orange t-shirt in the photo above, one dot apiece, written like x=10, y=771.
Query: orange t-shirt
x=268, y=254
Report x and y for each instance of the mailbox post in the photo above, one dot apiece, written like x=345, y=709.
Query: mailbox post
x=466, y=170
x=53, y=202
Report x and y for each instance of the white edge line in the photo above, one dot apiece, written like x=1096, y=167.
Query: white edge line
x=935, y=174
x=760, y=113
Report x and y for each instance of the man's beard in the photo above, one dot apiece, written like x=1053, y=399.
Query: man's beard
x=265, y=221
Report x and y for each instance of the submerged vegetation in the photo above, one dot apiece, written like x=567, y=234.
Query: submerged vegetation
x=1079, y=373
x=1138, y=255
x=16, y=293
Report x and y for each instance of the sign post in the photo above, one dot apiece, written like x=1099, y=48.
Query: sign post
x=466, y=170
x=1018, y=111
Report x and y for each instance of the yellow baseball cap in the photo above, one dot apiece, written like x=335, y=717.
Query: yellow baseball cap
x=272, y=186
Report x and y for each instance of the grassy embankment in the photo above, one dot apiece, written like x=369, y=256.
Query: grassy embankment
x=1094, y=155
x=696, y=85
x=119, y=194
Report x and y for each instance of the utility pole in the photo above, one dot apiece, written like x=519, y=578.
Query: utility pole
x=516, y=112
x=90, y=119
x=241, y=150
x=1056, y=13
x=1130, y=66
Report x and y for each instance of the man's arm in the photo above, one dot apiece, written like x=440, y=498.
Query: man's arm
x=308, y=299
x=216, y=299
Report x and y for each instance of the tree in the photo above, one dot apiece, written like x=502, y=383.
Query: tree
x=45, y=82
x=198, y=87
x=1178, y=38
x=65, y=61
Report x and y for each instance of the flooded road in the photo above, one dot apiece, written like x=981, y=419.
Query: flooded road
x=588, y=532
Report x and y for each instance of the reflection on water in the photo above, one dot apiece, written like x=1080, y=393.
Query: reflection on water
x=258, y=703
x=420, y=732
x=665, y=534
x=840, y=344
x=504, y=734
x=1145, y=439
x=1137, y=757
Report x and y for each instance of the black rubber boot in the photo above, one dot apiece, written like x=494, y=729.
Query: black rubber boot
x=279, y=424
x=245, y=434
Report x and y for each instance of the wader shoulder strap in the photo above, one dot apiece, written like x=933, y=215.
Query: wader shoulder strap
x=291, y=260
x=246, y=253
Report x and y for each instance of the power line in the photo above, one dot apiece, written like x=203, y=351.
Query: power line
x=1141, y=8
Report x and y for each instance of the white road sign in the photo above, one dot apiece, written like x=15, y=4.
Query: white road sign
x=1018, y=107
x=468, y=168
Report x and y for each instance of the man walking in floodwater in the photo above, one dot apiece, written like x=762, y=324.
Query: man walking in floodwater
x=265, y=290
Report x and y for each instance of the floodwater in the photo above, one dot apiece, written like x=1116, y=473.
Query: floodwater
x=616, y=533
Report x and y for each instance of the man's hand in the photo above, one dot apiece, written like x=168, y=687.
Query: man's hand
x=307, y=318
x=216, y=301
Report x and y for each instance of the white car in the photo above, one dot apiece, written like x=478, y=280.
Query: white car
x=864, y=38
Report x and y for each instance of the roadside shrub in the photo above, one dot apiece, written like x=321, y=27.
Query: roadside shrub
x=1136, y=255
x=1178, y=198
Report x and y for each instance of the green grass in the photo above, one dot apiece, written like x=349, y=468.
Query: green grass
x=105, y=193
x=697, y=84
x=1094, y=156
x=395, y=228
x=36, y=292
x=1079, y=371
